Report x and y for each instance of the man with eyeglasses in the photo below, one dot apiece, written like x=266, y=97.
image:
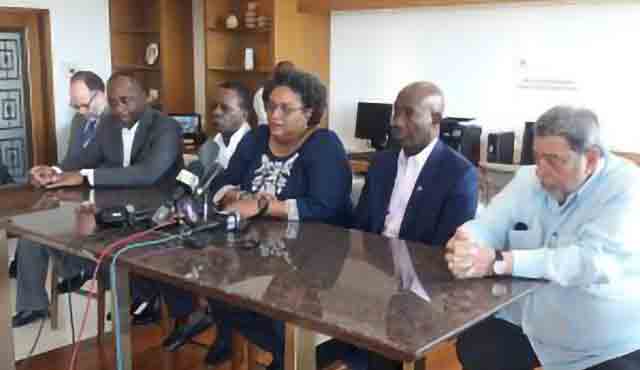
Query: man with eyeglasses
x=134, y=146
x=88, y=99
x=571, y=219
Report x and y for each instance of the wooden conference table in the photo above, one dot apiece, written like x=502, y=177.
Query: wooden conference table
x=393, y=297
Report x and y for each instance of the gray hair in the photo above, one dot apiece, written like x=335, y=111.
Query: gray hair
x=579, y=126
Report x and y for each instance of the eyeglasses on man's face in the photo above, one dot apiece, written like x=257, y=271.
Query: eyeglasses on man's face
x=85, y=105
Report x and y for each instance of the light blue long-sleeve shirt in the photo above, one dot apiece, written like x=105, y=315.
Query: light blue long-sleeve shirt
x=589, y=249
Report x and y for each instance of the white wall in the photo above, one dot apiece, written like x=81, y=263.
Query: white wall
x=80, y=39
x=475, y=53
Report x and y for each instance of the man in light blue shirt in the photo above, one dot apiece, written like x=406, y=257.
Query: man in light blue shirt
x=571, y=219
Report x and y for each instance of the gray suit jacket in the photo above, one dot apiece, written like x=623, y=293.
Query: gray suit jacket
x=156, y=154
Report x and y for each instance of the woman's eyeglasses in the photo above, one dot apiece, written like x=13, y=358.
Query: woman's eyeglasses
x=285, y=109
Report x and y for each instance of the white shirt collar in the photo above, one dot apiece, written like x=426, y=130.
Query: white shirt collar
x=235, y=138
x=409, y=169
x=128, y=136
x=226, y=151
x=132, y=129
x=418, y=159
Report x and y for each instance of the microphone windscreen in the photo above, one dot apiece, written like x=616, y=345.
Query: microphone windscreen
x=208, y=154
x=188, y=179
x=162, y=214
x=211, y=173
x=196, y=167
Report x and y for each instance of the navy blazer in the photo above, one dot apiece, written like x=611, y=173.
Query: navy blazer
x=445, y=196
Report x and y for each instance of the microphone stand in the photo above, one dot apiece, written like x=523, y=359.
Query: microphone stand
x=206, y=204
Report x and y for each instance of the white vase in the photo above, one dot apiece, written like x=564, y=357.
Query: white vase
x=232, y=22
x=248, y=59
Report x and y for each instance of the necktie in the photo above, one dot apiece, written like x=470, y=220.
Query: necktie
x=89, y=132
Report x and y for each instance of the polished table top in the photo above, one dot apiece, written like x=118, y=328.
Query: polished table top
x=394, y=297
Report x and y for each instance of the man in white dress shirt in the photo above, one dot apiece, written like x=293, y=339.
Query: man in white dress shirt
x=134, y=146
x=231, y=107
x=425, y=190
x=422, y=192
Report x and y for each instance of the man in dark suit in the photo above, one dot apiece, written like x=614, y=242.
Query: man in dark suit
x=88, y=98
x=134, y=146
x=421, y=192
x=424, y=191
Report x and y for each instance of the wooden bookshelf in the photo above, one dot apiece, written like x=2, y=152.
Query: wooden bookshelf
x=169, y=23
x=299, y=37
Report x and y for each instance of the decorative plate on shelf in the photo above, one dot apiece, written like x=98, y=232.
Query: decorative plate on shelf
x=152, y=53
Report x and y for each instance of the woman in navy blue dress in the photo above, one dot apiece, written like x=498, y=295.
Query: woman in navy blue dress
x=298, y=170
x=290, y=169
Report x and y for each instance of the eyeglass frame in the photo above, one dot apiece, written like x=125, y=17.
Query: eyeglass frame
x=286, y=110
x=87, y=105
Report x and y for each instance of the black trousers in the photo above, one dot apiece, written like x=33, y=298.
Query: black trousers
x=496, y=344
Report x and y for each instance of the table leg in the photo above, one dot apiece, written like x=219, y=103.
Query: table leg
x=300, y=348
x=124, y=302
x=408, y=365
x=421, y=364
x=7, y=355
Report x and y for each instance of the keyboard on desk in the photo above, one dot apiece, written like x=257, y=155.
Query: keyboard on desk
x=361, y=156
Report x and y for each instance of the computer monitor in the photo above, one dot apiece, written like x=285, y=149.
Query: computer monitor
x=526, y=157
x=373, y=122
x=464, y=138
x=189, y=124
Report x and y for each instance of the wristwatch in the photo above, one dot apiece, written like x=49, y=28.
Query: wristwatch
x=499, y=264
x=263, y=206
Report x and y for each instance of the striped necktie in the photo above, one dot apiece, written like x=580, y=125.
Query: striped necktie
x=89, y=132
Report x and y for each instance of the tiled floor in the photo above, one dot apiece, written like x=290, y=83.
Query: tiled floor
x=25, y=336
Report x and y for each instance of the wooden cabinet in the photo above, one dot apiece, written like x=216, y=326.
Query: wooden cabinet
x=301, y=38
x=135, y=24
x=225, y=48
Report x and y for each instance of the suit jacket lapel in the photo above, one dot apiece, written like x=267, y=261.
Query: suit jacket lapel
x=421, y=193
x=141, y=133
x=114, y=141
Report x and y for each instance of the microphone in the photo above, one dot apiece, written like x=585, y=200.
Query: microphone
x=197, y=171
x=186, y=183
x=189, y=182
x=203, y=190
x=208, y=155
x=208, y=178
x=188, y=179
x=126, y=215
